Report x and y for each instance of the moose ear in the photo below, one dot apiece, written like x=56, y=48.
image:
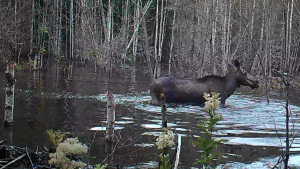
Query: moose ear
x=230, y=65
x=236, y=63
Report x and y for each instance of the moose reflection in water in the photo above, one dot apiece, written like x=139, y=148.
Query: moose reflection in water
x=192, y=91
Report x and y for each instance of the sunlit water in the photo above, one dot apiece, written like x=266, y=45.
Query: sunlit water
x=254, y=129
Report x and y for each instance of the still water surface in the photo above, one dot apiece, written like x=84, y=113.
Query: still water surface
x=76, y=104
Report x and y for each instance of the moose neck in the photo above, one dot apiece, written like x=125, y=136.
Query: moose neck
x=231, y=82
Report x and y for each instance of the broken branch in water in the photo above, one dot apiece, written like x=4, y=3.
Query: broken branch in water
x=13, y=161
x=29, y=157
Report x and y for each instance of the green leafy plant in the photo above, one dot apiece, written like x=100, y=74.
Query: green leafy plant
x=93, y=53
x=55, y=137
x=209, y=144
x=42, y=50
x=99, y=166
x=165, y=159
x=43, y=29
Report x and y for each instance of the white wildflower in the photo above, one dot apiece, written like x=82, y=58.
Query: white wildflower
x=212, y=101
x=165, y=139
x=71, y=146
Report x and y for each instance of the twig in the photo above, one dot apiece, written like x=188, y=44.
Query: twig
x=2, y=141
x=29, y=158
x=129, y=153
x=122, y=145
x=286, y=74
x=13, y=161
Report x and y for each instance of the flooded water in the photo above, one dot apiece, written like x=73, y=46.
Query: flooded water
x=76, y=104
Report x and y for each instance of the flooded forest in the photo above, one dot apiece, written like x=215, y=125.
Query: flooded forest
x=78, y=80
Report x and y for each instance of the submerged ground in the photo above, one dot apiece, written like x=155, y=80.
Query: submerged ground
x=76, y=104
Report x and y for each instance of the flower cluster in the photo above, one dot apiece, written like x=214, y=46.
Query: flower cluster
x=69, y=148
x=166, y=138
x=212, y=101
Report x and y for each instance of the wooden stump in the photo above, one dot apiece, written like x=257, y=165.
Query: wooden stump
x=9, y=93
x=111, y=106
x=178, y=152
x=164, y=110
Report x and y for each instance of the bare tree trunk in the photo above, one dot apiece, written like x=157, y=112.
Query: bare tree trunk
x=156, y=33
x=193, y=39
x=286, y=40
x=126, y=15
x=289, y=59
x=206, y=39
x=135, y=36
x=71, y=29
x=146, y=7
x=109, y=21
x=59, y=29
x=161, y=30
x=262, y=35
x=32, y=26
x=213, y=36
x=250, y=47
x=172, y=39
x=147, y=47
x=229, y=25
x=224, y=36
x=256, y=59
x=268, y=61
x=104, y=23
x=179, y=30
x=83, y=23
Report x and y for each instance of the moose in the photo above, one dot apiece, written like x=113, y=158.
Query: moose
x=192, y=91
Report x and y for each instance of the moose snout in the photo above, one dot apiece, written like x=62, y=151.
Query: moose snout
x=255, y=84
